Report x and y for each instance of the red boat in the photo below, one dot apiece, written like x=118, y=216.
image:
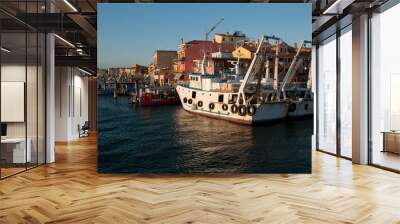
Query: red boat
x=158, y=96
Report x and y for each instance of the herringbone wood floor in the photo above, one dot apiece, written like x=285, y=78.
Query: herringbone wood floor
x=71, y=191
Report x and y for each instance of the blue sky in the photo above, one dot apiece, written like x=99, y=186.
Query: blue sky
x=129, y=33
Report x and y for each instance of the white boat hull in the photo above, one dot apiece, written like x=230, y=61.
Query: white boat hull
x=265, y=112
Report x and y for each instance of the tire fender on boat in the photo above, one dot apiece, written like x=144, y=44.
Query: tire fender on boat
x=251, y=110
x=292, y=107
x=185, y=100
x=190, y=101
x=224, y=107
x=234, y=108
x=242, y=110
x=211, y=106
x=200, y=103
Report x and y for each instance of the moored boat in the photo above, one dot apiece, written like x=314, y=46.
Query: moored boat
x=234, y=98
x=301, y=107
x=155, y=96
x=302, y=103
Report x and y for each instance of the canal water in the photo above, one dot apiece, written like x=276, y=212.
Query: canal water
x=167, y=139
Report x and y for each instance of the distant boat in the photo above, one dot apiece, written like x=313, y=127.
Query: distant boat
x=155, y=96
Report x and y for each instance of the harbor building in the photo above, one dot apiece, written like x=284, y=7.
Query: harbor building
x=192, y=52
x=161, y=68
x=221, y=62
x=227, y=38
x=245, y=52
x=127, y=74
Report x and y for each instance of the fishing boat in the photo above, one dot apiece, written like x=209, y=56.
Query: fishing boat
x=301, y=104
x=236, y=98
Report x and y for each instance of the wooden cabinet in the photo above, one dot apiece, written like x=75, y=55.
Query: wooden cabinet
x=391, y=141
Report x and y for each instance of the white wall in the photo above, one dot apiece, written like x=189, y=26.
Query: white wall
x=80, y=110
x=9, y=73
x=33, y=126
x=62, y=82
x=71, y=94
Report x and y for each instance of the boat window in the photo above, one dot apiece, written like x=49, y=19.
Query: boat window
x=194, y=95
x=221, y=98
x=233, y=98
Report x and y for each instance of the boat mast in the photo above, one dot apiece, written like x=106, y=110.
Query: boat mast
x=309, y=81
x=296, y=62
x=266, y=68
x=253, y=68
x=237, y=66
x=276, y=65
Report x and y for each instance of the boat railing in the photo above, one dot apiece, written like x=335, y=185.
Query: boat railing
x=296, y=85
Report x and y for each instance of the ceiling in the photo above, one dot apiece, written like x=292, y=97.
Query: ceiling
x=76, y=22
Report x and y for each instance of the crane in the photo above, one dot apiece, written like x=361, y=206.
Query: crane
x=213, y=28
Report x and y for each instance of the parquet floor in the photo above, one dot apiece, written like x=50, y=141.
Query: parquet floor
x=71, y=191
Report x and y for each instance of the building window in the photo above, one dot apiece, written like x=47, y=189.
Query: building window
x=385, y=89
x=346, y=92
x=327, y=95
x=233, y=98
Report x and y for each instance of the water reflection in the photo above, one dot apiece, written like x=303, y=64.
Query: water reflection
x=212, y=143
x=168, y=139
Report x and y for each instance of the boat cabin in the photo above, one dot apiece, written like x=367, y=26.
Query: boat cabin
x=207, y=82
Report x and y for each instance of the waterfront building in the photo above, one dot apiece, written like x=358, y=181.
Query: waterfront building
x=137, y=71
x=227, y=38
x=126, y=74
x=245, y=52
x=192, y=52
x=222, y=61
x=161, y=69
